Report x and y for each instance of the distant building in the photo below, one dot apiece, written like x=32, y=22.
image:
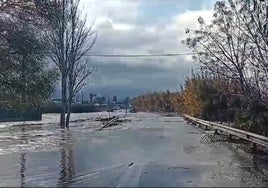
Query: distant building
x=114, y=101
x=100, y=100
x=56, y=100
x=101, y=107
x=116, y=107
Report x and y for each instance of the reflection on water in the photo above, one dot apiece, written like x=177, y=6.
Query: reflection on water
x=22, y=169
x=66, y=162
x=48, y=156
x=67, y=170
x=23, y=160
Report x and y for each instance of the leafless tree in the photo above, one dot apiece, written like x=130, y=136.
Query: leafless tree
x=58, y=38
x=82, y=40
x=71, y=41
x=223, y=47
x=254, y=16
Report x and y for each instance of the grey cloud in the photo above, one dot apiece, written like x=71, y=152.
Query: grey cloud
x=132, y=76
x=128, y=80
x=116, y=39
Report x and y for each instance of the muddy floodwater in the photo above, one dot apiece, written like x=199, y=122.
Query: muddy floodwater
x=149, y=150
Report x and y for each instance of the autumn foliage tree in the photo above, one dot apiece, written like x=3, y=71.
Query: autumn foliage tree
x=233, y=48
x=154, y=102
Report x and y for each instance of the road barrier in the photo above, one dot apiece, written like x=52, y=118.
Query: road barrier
x=252, y=137
x=109, y=123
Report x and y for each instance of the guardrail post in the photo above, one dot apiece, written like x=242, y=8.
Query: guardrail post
x=230, y=138
x=254, y=148
x=198, y=124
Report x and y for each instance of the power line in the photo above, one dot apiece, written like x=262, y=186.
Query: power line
x=143, y=55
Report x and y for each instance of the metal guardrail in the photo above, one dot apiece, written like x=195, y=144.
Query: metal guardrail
x=252, y=137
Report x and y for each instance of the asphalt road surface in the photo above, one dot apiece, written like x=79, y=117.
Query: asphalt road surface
x=151, y=150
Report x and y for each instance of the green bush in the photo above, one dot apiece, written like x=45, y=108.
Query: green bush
x=253, y=118
x=31, y=114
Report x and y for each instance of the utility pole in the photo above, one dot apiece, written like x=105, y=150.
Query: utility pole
x=126, y=101
x=82, y=96
x=109, y=106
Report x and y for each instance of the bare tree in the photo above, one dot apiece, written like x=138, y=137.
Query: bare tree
x=235, y=45
x=82, y=40
x=58, y=37
x=71, y=41
x=222, y=48
x=254, y=16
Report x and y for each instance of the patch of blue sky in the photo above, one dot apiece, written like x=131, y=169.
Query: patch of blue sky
x=152, y=11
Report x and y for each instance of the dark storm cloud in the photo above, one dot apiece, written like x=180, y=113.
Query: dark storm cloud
x=115, y=78
x=132, y=27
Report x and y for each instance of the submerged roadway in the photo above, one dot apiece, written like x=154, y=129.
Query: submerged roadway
x=150, y=150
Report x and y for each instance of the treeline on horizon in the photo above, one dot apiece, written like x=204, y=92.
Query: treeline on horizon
x=232, y=56
x=52, y=107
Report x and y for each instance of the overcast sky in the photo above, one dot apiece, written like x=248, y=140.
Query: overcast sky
x=141, y=27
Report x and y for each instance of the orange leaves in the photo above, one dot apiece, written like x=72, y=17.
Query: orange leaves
x=154, y=102
x=198, y=97
x=191, y=103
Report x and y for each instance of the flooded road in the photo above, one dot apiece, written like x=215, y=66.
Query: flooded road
x=150, y=150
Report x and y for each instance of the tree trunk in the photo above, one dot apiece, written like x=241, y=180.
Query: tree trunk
x=23, y=80
x=70, y=97
x=68, y=116
x=62, y=28
x=63, y=100
x=68, y=112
